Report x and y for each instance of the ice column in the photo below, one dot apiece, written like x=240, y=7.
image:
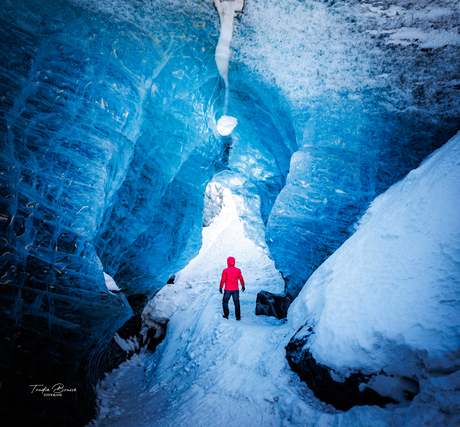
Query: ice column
x=226, y=10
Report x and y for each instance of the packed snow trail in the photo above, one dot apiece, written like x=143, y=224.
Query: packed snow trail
x=210, y=370
x=216, y=372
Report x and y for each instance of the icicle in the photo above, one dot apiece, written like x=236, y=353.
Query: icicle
x=227, y=10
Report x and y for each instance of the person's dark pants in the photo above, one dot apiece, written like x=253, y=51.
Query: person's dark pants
x=236, y=300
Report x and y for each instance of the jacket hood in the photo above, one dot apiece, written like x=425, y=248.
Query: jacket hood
x=231, y=261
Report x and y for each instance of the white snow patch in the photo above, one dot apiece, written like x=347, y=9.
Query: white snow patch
x=424, y=38
x=131, y=344
x=226, y=124
x=389, y=298
x=110, y=283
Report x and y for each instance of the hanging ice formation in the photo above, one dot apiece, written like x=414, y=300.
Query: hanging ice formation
x=226, y=10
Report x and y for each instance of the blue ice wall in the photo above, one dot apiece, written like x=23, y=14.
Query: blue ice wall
x=351, y=150
x=372, y=89
x=107, y=144
x=108, y=140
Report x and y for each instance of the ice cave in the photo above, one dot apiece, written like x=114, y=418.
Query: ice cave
x=143, y=142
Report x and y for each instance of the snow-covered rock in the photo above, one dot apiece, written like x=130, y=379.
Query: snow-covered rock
x=389, y=298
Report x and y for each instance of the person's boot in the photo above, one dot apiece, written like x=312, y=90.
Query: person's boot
x=224, y=316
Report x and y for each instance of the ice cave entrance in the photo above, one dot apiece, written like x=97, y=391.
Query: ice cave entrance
x=224, y=234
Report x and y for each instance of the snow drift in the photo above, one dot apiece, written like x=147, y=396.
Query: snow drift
x=388, y=299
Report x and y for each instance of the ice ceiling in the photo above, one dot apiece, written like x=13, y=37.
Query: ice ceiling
x=109, y=139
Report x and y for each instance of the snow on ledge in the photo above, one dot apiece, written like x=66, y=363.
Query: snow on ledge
x=110, y=283
x=388, y=297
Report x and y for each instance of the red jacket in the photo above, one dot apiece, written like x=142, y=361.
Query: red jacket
x=230, y=276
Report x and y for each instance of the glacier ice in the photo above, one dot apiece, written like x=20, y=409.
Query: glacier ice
x=108, y=124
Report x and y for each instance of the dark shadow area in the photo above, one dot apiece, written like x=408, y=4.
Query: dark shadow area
x=142, y=337
x=342, y=394
x=268, y=304
x=36, y=390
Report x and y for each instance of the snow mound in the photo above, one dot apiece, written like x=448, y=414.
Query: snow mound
x=389, y=298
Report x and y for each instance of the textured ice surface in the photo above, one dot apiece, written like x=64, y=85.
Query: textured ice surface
x=213, y=200
x=246, y=197
x=108, y=139
x=311, y=47
x=388, y=299
x=368, y=97
x=107, y=144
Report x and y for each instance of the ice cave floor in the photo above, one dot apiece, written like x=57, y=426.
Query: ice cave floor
x=210, y=371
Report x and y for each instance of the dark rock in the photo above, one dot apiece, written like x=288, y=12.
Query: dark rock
x=342, y=395
x=269, y=304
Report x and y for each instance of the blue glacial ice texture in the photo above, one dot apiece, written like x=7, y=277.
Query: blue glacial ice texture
x=108, y=151
x=177, y=154
x=352, y=149
x=107, y=147
x=353, y=90
x=73, y=144
x=63, y=153
x=61, y=173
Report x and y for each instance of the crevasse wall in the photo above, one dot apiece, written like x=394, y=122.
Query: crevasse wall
x=372, y=89
x=108, y=139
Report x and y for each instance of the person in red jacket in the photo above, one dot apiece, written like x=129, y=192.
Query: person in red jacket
x=230, y=277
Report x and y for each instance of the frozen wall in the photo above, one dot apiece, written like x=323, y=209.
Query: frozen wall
x=373, y=89
x=108, y=140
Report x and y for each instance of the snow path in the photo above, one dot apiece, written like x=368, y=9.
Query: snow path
x=216, y=372
x=210, y=371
